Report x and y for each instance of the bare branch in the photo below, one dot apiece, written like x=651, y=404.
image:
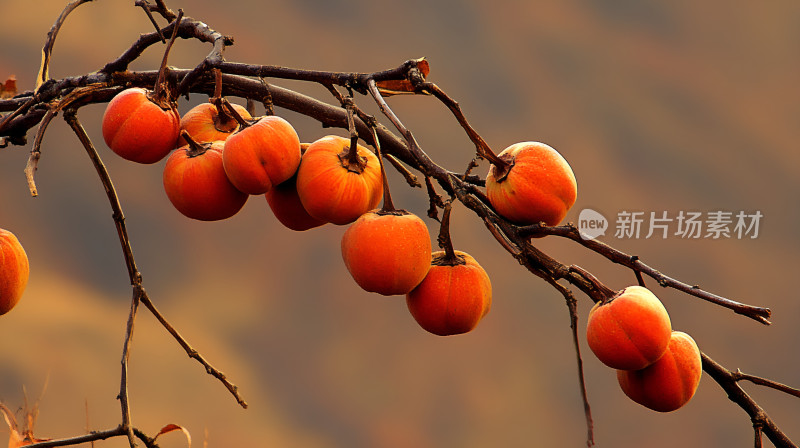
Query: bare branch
x=47, y=50
x=761, y=421
x=633, y=262
x=194, y=354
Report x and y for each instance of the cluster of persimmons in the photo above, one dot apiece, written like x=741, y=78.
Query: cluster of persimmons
x=224, y=156
x=656, y=367
x=218, y=155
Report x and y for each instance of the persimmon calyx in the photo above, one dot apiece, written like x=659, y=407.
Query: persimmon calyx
x=162, y=99
x=195, y=148
x=224, y=121
x=447, y=259
x=502, y=166
x=392, y=212
x=352, y=161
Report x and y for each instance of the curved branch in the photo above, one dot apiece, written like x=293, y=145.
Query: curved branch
x=761, y=421
x=633, y=262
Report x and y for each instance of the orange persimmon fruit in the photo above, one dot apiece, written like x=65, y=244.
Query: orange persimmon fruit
x=285, y=204
x=630, y=330
x=454, y=296
x=533, y=184
x=204, y=123
x=670, y=382
x=14, y=271
x=262, y=154
x=387, y=252
x=196, y=184
x=139, y=128
x=337, y=184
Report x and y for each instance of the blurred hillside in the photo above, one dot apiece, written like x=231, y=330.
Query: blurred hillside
x=661, y=106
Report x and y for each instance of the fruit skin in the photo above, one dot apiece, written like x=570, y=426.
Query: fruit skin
x=670, y=382
x=261, y=155
x=539, y=187
x=138, y=129
x=197, y=186
x=330, y=190
x=14, y=271
x=452, y=299
x=629, y=331
x=285, y=204
x=387, y=252
x=203, y=124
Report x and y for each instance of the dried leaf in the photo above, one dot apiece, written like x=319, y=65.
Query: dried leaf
x=15, y=439
x=9, y=88
x=400, y=86
x=172, y=427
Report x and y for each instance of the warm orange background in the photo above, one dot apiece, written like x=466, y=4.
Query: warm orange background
x=658, y=106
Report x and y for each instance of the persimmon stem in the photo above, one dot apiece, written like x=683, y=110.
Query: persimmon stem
x=160, y=92
x=146, y=7
x=233, y=113
x=599, y=292
x=444, y=240
x=388, y=204
x=225, y=120
x=195, y=148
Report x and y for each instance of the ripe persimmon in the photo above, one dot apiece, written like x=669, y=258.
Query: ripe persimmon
x=630, y=330
x=196, y=184
x=262, y=154
x=531, y=183
x=139, y=128
x=204, y=123
x=338, y=184
x=670, y=382
x=285, y=204
x=14, y=271
x=454, y=296
x=387, y=251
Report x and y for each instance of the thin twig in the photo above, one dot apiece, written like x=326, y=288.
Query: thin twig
x=633, y=262
x=47, y=50
x=194, y=354
x=483, y=149
x=572, y=305
x=70, y=115
x=146, y=7
x=36, y=152
x=738, y=375
x=761, y=421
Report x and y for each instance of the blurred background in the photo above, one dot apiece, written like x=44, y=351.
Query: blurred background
x=661, y=106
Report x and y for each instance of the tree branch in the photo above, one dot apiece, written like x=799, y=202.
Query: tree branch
x=761, y=421
x=69, y=94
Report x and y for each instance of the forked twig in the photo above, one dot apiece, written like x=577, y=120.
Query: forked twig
x=139, y=293
x=47, y=50
x=194, y=354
